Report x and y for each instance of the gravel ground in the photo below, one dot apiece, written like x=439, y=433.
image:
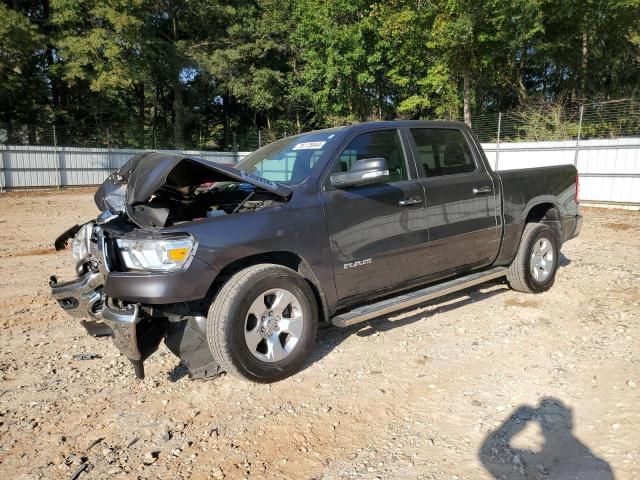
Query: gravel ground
x=487, y=384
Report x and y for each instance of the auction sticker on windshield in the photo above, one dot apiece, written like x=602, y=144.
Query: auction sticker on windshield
x=309, y=146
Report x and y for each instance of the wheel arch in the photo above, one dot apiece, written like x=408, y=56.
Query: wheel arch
x=284, y=258
x=548, y=213
x=542, y=209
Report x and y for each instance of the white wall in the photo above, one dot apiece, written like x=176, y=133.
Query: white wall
x=44, y=166
x=609, y=169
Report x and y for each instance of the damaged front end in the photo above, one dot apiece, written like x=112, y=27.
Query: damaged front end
x=141, y=285
x=83, y=297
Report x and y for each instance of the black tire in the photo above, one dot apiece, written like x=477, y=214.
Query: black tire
x=520, y=276
x=228, y=315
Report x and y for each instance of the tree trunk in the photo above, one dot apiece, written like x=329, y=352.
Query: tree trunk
x=178, y=107
x=141, y=116
x=155, y=115
x=51, y=60
x=178, y=111
x=584, y=65
x=466, y=78
x=226, y=99
x=521, y=88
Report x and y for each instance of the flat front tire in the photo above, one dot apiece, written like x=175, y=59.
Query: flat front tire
x=263, y=322
x=534, y=268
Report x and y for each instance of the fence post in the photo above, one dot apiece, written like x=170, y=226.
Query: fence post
x=3, y=172
x=575, y=158
x=109, y=163
x=498, y=140
x=58, y=159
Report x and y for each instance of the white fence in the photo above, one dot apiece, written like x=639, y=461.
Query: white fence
x=42, y=166
x=609, y=169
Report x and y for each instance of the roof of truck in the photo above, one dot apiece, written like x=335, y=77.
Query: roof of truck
x=364, y=126
x=405, y=123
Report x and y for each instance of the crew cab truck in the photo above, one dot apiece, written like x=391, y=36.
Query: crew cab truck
x=235, y=267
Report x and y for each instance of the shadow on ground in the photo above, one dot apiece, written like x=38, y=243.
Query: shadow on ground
x=330, y=338
x=561, y=455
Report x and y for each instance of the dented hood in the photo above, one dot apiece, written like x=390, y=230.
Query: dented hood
x=144, y=174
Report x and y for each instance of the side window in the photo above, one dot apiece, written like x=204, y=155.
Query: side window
x=442, y=151
x=382, y=144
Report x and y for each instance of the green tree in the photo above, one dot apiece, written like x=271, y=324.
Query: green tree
x=23, y=83
x=334, y=41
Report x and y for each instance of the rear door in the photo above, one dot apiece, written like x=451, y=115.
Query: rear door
x=462, y=201
x=377, y=232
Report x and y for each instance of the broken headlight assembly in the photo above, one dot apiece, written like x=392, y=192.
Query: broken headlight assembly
x=80, y=243
x=162, y=254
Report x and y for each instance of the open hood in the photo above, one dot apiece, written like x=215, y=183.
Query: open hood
x=138, y=180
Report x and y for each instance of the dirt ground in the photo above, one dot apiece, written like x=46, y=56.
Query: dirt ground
x=487, y=384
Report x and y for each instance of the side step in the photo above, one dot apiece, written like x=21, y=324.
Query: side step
x=400, y=302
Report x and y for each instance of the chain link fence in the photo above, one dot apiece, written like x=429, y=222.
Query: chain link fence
x=115, y=137
x=601, y=139
x=535, y=123
x=553, y=122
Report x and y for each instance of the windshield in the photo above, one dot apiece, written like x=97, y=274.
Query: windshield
x=289, y=160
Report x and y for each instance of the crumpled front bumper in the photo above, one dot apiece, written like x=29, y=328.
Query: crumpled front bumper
x=82, y=298
x=130, y=308
x=134, y=335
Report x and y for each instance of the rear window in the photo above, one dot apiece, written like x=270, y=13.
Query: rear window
x=442, y=151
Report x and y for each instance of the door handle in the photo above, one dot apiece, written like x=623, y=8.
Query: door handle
x=409, y=201
x=481, y=190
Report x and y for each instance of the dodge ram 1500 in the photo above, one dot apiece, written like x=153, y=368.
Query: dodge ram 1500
x=235, y=267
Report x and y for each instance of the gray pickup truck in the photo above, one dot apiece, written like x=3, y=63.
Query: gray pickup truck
x=235, y=267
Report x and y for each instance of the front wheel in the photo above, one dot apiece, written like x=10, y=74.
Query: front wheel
x=534, y=268
x=262, y=323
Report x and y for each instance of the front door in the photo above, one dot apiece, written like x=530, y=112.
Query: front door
x=462, y=201
x=376, y=231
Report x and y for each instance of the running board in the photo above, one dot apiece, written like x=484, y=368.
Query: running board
x=400, y=302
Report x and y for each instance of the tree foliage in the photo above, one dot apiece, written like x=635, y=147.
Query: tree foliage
x=179, y=73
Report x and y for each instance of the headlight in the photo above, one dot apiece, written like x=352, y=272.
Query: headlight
x=80, y=243
x=163, y=255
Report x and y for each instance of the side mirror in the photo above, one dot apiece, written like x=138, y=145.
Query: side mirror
x=363, y=172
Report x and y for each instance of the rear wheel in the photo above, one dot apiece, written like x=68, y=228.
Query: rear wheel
x=263, y=322
x=534, y=268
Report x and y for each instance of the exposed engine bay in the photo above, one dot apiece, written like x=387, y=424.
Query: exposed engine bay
x=158, y=190
x=168, y=207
